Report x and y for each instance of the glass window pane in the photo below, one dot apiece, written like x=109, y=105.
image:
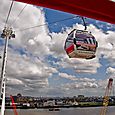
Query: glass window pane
x=68, y=44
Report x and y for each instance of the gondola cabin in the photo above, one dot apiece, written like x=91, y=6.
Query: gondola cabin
x=81, y=44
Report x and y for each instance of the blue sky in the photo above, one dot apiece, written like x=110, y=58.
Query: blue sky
x=37, y=62
x=54, y=15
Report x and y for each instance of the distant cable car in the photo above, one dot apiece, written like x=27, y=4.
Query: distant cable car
x=81, y=44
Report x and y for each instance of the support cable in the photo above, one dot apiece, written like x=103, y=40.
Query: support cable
x=18, y=15
x=47, y=24
x=9, y=13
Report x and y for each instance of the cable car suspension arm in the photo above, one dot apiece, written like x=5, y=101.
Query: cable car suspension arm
x=84, y=23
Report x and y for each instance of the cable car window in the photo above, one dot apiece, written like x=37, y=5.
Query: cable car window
x=80, y=40
x=94, y=41
x=91, y=40
x=68, y=44
x=88, y=41
x=85, y=41
x=70, y=36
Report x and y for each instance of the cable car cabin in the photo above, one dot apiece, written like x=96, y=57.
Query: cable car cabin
x=81, y=44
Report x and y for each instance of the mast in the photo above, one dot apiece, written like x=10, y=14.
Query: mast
x=7, y=34
x=106, y=97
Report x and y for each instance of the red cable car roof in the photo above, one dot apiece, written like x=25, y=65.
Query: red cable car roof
x=103, y=10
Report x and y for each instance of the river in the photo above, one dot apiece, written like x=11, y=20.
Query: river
x=68, y=111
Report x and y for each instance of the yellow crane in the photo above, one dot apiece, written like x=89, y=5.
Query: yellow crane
x=106, y=97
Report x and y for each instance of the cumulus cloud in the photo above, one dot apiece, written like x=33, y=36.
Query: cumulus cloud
x=106, y=43
x=110, y=70
x=24, y=67
x=14, y=81
x=27, y=66
x=25, y=70
x=65, y=75
x=80, y=83
x=86, y=86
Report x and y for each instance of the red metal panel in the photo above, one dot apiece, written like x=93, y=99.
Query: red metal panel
x=70, y=49
x=103, y=10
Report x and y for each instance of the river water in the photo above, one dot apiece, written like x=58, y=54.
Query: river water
x=68, y=111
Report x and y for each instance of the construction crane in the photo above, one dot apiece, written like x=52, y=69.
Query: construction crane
x=106, y=97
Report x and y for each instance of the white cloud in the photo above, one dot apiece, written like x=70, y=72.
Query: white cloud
x=80, y=85
x=65, y=75
x=111, y=70
x=27, y=67
x=13, y=81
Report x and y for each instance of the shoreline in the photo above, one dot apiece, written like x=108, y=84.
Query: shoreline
x=59, y=107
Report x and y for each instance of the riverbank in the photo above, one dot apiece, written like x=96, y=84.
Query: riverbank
x=66, y=106
x=62, y=111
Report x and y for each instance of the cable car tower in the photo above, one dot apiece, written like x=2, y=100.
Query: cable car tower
x=106, y=97
x=7, y=34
